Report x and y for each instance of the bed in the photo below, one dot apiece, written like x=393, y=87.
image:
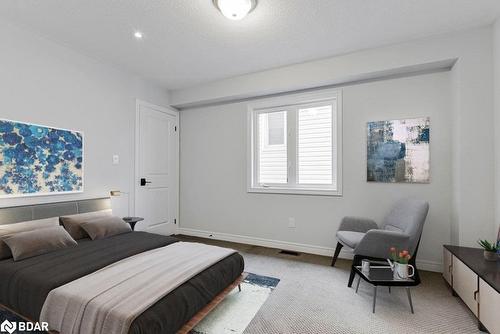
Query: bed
x=24, y=285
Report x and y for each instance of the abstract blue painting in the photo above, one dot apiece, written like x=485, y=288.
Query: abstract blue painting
x=398, y=151
x=39, y=160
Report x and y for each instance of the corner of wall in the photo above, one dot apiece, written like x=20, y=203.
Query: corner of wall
x=455, y=158
x=496, y=93
x=474, y=198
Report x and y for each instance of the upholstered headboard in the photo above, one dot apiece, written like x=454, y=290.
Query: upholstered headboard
x=17, y=214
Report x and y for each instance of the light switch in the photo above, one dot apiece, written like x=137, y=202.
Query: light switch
x=116, y=159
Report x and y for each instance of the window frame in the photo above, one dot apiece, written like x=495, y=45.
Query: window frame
x=281, y=103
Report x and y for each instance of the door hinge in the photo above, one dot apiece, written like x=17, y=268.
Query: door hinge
x=175, y=221
x=175, y=128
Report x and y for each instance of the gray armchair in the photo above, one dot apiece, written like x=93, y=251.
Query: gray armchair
x=401, y=228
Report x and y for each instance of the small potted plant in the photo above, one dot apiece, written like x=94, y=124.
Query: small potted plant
x=490, y=250
x=400, y=264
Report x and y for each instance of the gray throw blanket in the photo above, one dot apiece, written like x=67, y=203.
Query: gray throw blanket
x=108, y=300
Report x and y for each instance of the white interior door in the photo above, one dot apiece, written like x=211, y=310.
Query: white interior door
x=157, y=160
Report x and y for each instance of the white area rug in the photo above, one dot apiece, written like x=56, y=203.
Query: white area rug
x=235, y=312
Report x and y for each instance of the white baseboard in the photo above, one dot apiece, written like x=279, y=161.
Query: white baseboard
x=297, y=247
x=430, y=265
x=302, y=248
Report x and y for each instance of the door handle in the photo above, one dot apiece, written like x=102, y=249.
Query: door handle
x=144, y=182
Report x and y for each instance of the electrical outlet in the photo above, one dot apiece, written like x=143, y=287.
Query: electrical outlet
x=291, y=222
x=116, y=159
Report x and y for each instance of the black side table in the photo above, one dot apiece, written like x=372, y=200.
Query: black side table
x=382, y=275
x=132, y=221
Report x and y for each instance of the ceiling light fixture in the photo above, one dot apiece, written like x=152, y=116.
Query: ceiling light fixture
x=235, y=9
x=138, y=35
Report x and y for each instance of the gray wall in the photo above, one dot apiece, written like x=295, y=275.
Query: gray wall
x=496, y=90
x=213, y=169
x=470, y=121
x=45, y=83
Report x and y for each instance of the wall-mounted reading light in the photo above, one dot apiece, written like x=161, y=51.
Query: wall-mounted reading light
x=118, y=193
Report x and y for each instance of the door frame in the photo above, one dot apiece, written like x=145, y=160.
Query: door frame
x=172, y=112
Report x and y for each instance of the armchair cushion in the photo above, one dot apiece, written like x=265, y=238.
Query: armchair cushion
x=408, y=216
x=357, y=224
x=349, y=238
x=376, y=243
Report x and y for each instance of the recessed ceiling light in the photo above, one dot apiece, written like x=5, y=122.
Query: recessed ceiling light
x=138, y=35
x=235, y=9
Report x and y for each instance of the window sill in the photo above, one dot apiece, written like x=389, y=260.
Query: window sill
x=295, y=191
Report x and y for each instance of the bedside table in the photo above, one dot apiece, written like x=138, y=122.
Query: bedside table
x=132, y=221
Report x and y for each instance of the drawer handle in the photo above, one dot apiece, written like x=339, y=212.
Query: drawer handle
x=475, y=294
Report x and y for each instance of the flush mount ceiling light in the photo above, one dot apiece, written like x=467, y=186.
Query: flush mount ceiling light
x=235, y=9
x=138, y=35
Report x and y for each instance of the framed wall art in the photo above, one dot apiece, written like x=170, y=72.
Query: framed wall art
x=399, y=151
x=38, y=160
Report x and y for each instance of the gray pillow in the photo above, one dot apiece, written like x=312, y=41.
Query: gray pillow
x=10, y=229
x=36, y=242
x=72, y=223
x=104, y=227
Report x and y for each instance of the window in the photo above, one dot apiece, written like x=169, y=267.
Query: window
x=272, y=145
x=295, y=144
x=275, y=122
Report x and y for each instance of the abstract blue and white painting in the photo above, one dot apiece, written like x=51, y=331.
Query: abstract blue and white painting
x=398, y=151
x=39, y=160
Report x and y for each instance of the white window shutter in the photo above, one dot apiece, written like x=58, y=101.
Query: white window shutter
x=315, y=152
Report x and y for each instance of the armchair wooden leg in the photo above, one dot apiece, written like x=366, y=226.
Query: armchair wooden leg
x=351, y=277
x=337, y=252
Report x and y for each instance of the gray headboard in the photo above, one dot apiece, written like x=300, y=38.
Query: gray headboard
x=17, y=214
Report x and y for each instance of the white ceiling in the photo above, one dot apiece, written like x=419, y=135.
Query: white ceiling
x=188, y=42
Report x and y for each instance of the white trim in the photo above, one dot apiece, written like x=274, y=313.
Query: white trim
x=277, y=104
x=294, y=191
x=303, y=248
x=172, y=112
x=430, y=265
x=168, y=110
x=298, y=247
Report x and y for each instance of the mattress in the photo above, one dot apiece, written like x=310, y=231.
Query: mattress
x=24, y=285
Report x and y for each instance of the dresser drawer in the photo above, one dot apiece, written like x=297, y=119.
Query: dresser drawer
x=489, y=307
x=465, y=284
x=447, y=265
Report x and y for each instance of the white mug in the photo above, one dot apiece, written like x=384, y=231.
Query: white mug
x=365, y=266
x=401, y=271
